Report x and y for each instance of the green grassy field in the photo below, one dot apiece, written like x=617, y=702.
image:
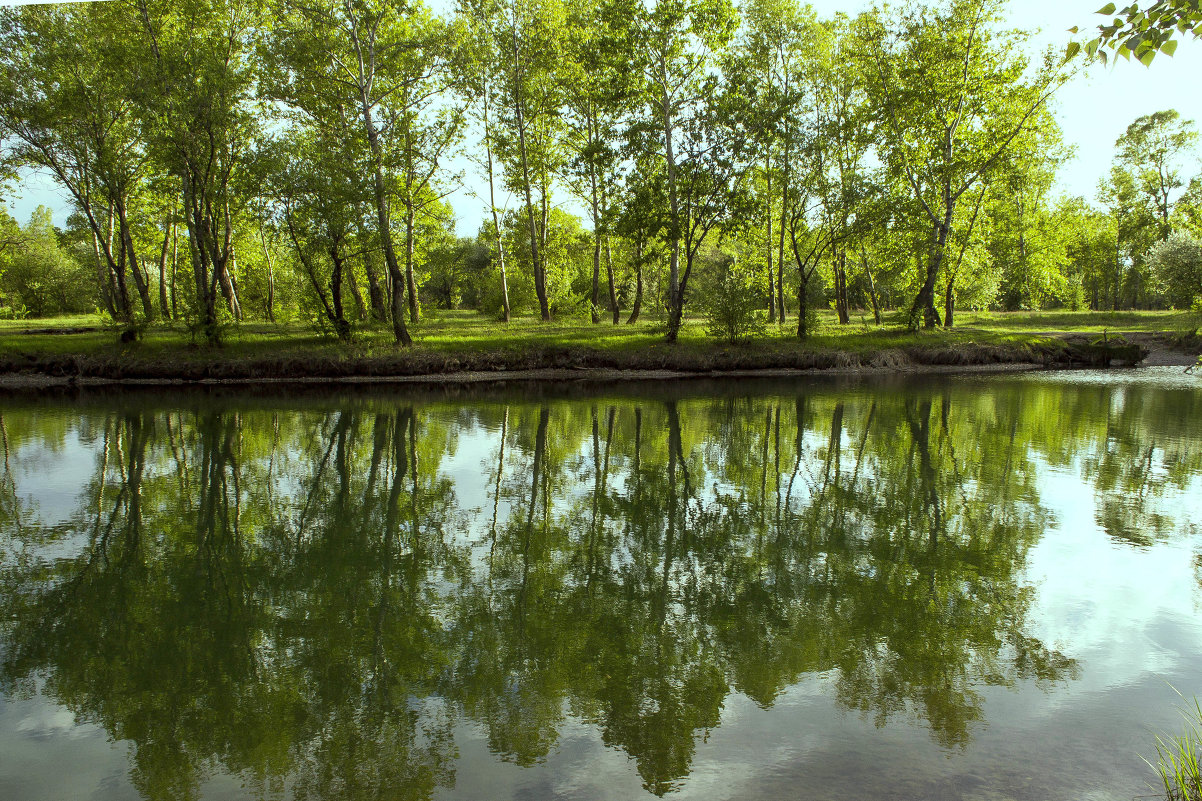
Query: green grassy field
x=447, y=341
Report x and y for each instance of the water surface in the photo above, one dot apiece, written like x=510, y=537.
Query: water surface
x=975, y=587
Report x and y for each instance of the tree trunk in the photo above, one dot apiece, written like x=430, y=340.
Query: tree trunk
x=637, y=306
x=924, y=303
x=876, y=305
x=609, y=274
x=174, y=266
x=410, y=284
x=341, y=327
x=802, y=300
x=127, y=244
x=229, y=289
x=496, y=219
x=164, y=305
x=675, y=295
x=596, y=294
x=400, y=332
x=841, y=306
x=104, y=279
x=361, y=312
x=375, y=292
x=269, y=310
x=768, y=216
x=949, y=302
x=540, y=278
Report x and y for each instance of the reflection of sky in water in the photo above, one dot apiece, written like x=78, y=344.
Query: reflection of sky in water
x=1128, y=614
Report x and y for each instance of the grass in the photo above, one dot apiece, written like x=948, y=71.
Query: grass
x=1179, y=758
x=449, y=341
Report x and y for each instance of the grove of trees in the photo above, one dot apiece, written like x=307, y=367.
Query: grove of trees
x=231, y=160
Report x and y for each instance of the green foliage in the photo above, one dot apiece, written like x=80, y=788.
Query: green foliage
x=733, y=304
x=1142, y=32
x=42, y=278
x=1177, y=264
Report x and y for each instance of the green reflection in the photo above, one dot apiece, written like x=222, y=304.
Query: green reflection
x=305, y=597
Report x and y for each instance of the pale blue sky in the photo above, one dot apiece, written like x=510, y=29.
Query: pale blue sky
x=1093, y=110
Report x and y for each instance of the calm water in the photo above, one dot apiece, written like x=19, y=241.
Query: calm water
x=973, y=588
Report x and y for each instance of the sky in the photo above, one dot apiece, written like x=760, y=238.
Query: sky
x=1093, y=110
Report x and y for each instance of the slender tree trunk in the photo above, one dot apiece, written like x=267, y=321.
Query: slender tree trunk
x=135, y=269
x=496, y=218
x=924, y=303
x=123, y=303
x=361, y=312
x=802, y=304
x=341, y=326
x=174, y=268
x=540, y=278
x=400, y=332
x=784, y=210
x=872, y=294
x=949, y=302
x=609, y=274
x=104, y=279
x=228, y=288
x=675, y=293
x=375, y=292
x=595, y=298
x=768, y=217
x=637, y=306
x=164, y=305
x=841, y=305
x=270, y=307
x=410, y=284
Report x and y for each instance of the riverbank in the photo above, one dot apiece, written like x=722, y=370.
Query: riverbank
x=464, y=348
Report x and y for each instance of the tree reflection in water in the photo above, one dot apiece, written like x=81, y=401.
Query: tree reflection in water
x=305, y=597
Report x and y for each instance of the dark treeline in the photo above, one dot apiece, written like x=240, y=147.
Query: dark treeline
x=308, y=596
x=276, y=160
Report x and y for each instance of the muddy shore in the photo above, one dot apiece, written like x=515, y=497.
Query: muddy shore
x=32, y=372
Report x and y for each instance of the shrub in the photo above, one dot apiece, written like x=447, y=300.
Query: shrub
x=733, y=306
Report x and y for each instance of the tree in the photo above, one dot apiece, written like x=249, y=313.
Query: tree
x=952, y=95
x=1135, y=230
x=776, y=59
x=1151, y=150
x=597, y=93
x=479, y=65
x=371, y=57
x=677, y=44
x=529, y=40
x=1177, y=263
x=193, y=74
x=65, y=107
x=1025, y=243
x=40, y=276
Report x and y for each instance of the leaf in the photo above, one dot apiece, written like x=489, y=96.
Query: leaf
x=1107, y=9
x=1073, y=49
x=1169, y=47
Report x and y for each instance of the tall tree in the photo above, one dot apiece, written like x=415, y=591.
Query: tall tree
x=530, y=41
x=952, y=94
x=678, y=43
x=1151, y=150
x=371, y=57
x=194, y=73
x=65, y=108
